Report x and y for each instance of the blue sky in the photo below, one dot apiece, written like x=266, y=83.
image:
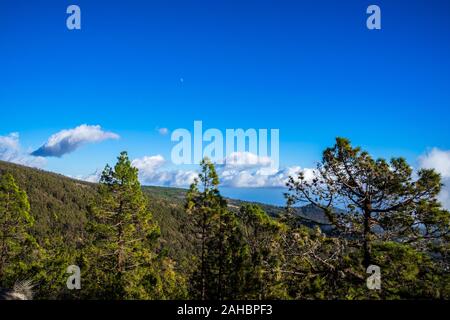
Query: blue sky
x=308, y=68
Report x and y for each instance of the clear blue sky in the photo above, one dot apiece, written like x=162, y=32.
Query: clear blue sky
x=309, y=68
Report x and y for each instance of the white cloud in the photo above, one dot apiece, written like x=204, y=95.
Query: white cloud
x=67, y=141
x=258, y=178
x=151, y=172
x=243, y=160
x=172, y=178
x=11, y=151
x=9, y=146
x=248, y=170
x=439, y=160
x=149, y=164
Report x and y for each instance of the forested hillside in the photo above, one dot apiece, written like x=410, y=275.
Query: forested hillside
x=59, y=205
x=133, y=242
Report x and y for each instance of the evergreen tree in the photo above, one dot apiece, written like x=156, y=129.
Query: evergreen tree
x=205, y=204
x=230, y=255
x=121, y=259
x=317, y=266
x=220, y=271
x=263, y=237
x=369, y=200
x=18, y=248
x=383, y=215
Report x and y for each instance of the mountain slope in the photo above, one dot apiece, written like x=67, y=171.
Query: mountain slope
x=60, y=204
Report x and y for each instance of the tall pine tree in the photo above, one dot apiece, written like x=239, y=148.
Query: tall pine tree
x=219, y=273
x=263, y=237
x=122, y=252
x=371, y=200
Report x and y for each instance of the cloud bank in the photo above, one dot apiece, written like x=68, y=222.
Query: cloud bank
x=248, y=170
x=240, y=170
x=151, y=172
x=67, y=141
x=11, y=151
x=439, y=160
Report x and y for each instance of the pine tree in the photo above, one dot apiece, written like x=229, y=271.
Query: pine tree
x=121, y=258
x=371, y=200
x=263, y=237
x=205, y=204
x=17, y=245
x=232, y=257
x=220, y=271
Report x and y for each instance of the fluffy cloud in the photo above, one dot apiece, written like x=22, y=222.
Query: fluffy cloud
x=247, y=170
x=246, y=160
x=151, y=172
x=67, y=141
x=9, y=146
x=172, y=178
x=149, y=164
x=440, y=161
x=11, y=151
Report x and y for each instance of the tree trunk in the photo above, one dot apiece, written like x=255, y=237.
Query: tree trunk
x=120, y=253
x=221, y=239
x=366, y=239
x=203, y=275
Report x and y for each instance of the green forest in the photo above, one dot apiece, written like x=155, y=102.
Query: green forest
x=137, y=242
